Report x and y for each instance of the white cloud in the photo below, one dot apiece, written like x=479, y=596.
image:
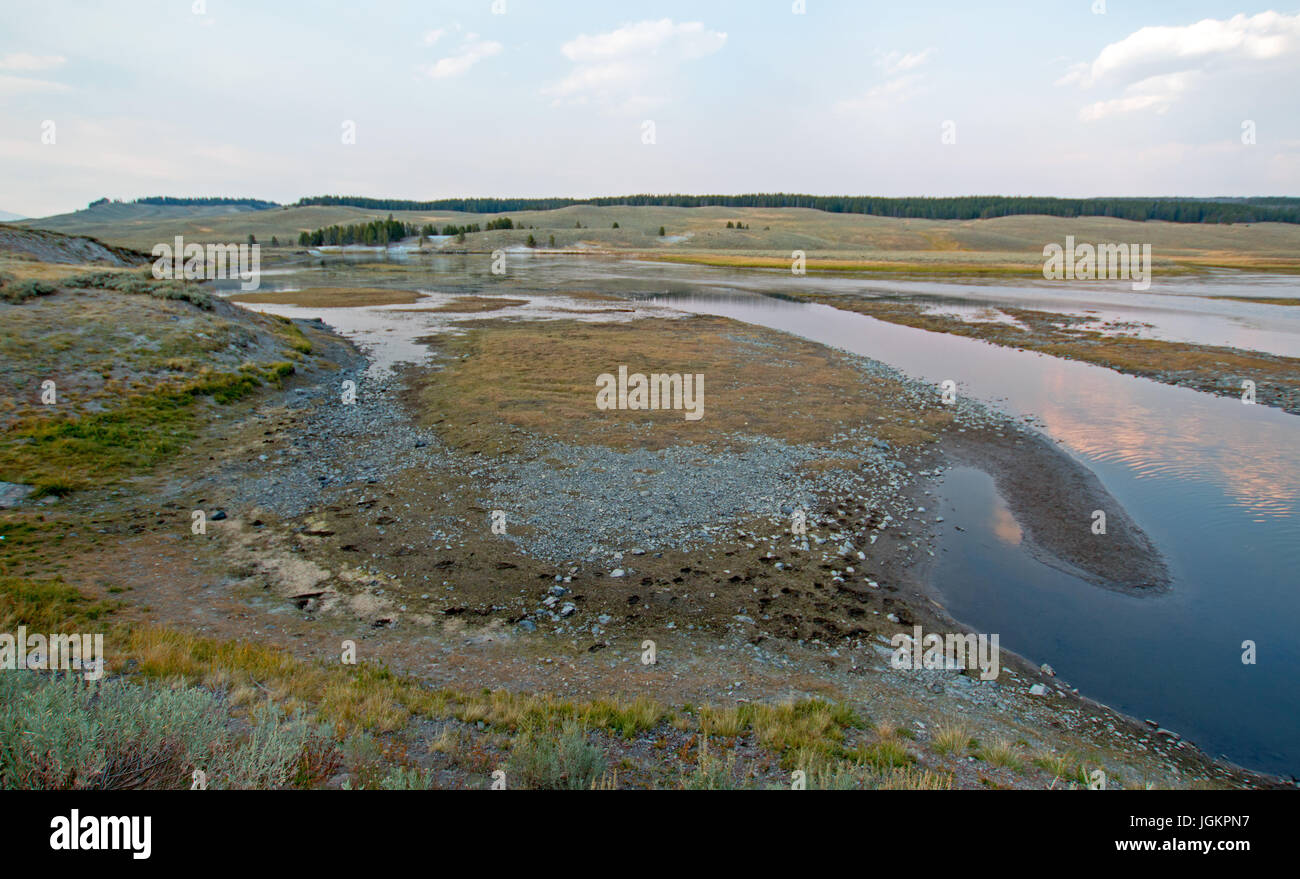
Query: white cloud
x=899, y=87
x=628, y=65
x=885, y=96
x=690, y=39
x=472, y=50
x=1241, y=39
x=1156, y=93
x=434, y=36
x=900, y=62
x=27, y=62
x=1155, y=67
x=15, y=85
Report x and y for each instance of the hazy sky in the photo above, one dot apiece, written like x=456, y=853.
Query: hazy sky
x=173, y=97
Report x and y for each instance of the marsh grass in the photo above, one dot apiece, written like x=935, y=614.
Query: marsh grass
x=504, y=377
x=330, y=297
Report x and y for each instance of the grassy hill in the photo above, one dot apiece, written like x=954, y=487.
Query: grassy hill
x=769, y=234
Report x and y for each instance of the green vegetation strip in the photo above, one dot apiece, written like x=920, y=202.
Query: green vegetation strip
x=63, y=454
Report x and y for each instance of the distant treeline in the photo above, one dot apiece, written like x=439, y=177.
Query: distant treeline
x=380, y=232
x=975, y=207
x=376, y=232
x=254, y=203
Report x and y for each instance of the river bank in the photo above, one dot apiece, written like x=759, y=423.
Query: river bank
x=371, y=522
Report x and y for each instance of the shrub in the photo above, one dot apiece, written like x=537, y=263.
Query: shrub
x=710, y=772
x=407, y=778
x=60, y=732
x=124, y=282
x=546, y=761
x=24, y=290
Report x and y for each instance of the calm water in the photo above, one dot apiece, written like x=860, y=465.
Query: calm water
x=1214, y=482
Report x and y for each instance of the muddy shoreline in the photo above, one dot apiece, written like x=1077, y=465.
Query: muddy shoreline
x=1054, y=499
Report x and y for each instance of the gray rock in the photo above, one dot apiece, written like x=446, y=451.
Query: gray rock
x=13, y=493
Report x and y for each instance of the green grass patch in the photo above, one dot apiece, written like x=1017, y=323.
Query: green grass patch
x=47, y=606
x=63, y=454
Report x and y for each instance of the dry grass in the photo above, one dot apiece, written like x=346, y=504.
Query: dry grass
x=771, y=232
x=1064, y=767
x=952, y=738
x=503, y=377
x=911, y=778
x=723, y=722
x=330, y=297
x=514, y=711
x=944, y=264
x=1262, y=300
x=1003, y=753
x=21, y=269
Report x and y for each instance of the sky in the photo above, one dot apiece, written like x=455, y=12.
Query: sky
x=280, y=100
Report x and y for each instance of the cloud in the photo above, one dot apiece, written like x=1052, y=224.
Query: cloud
x=1156, y=93
x=23, y=62
x=434, y=36
x=16, y=85
x=628, y=65
x=472, y=50
x=894, y=63
x=888, y=94
x=1155, y=67
x=26, y=62
x=899, y=87
x=1206, y=44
